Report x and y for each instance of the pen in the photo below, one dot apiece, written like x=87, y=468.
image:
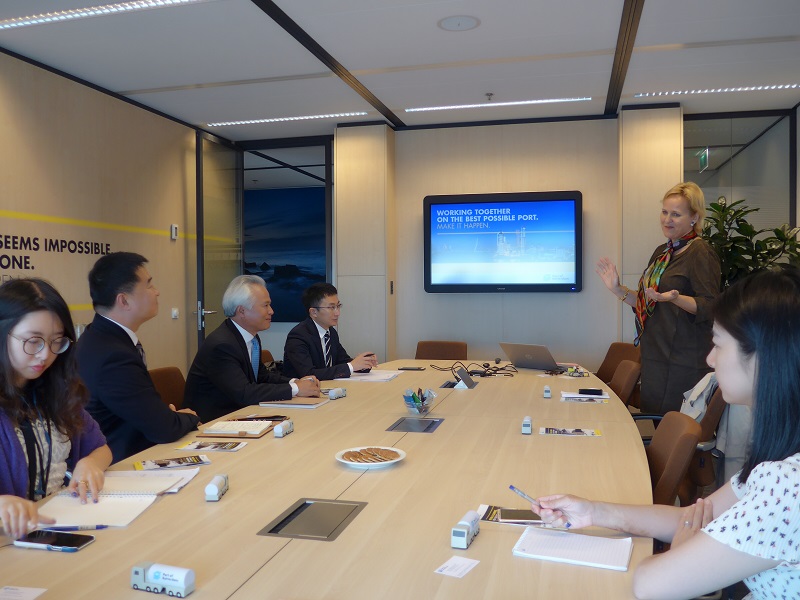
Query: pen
x=519, y=492
x=567, y=525
x=76, y=528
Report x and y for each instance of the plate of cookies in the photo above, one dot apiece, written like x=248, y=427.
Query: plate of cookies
x=370, y=457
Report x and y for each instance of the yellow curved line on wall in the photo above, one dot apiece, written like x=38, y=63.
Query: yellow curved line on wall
x=13, y=214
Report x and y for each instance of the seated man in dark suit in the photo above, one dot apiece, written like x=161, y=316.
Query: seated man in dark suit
x=313, y=348
x=227, y=372
x=111, y=360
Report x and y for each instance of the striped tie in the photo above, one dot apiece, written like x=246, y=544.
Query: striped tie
x=328, y=357
x=141, y=353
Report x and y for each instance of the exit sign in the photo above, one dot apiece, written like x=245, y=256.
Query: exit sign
x=703, y=159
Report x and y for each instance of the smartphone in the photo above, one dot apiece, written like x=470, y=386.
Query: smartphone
x=57, y=541
x=518, y=515
x=591, y=391
x=410, y=368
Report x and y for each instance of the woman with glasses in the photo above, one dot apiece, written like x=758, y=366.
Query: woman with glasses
x=46, y=436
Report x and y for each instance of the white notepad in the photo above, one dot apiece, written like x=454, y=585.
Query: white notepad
x=122, y=499
x=575, y=549
x=238, y=427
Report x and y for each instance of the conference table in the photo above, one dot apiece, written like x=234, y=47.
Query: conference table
x=392, y=548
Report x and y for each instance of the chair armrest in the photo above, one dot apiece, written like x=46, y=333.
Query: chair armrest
x=656, y=419
x=707, y=445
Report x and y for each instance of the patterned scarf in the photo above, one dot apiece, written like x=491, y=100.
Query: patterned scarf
x=651, y=277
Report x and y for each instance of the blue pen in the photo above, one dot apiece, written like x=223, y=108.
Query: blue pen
x=77, y=528
x=523, y=494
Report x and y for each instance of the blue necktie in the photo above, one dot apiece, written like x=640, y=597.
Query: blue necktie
x=255, y=355
x=328, y=357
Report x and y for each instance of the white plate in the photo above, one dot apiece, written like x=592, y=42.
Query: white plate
x=378, y=465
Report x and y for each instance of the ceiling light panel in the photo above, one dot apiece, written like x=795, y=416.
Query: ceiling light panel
x=60, y=16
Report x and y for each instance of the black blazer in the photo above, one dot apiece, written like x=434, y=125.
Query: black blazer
x=124, y=401
x=221, y=378
x=303, y=354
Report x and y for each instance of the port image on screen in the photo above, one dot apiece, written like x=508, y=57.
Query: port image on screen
x=511, y=242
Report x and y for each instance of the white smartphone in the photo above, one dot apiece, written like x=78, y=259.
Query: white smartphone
x=57, y=541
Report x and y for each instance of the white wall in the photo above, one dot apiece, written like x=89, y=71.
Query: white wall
x=581, y=155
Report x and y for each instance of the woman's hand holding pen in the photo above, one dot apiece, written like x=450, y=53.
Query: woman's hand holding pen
x=565, y=511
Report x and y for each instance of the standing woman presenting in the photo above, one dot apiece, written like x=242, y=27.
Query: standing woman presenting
x=44, y=430
x=671, y=304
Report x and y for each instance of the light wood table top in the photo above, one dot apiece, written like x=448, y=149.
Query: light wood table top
x=392, y=547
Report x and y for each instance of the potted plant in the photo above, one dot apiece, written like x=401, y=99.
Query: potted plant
x=743, y=249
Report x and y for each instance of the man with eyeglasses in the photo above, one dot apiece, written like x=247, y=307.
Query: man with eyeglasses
x=313, y=347
x=227, y=372
x=112, y=363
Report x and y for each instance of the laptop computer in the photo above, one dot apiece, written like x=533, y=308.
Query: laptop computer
x=530, y=356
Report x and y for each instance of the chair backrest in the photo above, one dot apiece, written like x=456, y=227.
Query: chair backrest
x=169, y=383
x=710, y=421
x=701, y=468
x=617, y=351
x=626, y=376
x=266, y=357
x=441, y=350
x=669, y=453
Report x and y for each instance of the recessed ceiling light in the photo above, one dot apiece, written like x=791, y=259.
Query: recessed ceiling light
x=281, y=119
x=496, y=104
x=91, y=11
x=727, y=90
x=459, y=23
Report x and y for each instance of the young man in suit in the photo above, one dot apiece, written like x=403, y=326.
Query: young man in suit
x=111, y=360
x=227, y=372
x=313, y=347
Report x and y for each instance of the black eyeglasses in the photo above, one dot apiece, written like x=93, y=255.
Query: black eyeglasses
x=330, y=307
x=33, y=345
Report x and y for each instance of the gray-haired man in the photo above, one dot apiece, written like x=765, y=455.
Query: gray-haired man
x=227, y=372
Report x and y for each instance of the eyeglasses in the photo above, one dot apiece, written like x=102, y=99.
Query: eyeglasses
x=34, y=345
x=330, y=307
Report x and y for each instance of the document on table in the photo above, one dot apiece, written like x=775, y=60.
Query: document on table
x=125, y=495
x=373, y=375
x=457, y=566
x=12, y=592
x=575, y=548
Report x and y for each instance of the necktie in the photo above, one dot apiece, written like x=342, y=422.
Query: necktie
x=328, y=357
x=255, y=355
x=141, y=353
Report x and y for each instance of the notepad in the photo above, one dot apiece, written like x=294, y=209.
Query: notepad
x=298, y=402
x=120, y=502
x=238, y=427
x=373, y=375
x=575, y=548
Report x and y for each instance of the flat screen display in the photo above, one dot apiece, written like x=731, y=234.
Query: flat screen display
x=514, y=242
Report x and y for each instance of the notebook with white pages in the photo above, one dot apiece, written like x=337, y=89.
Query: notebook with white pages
x=120, y=502
x=575, y=548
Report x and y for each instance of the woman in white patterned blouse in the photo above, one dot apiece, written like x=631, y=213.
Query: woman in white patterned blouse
x=750, y=528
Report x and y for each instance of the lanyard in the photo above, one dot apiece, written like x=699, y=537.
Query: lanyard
x=38, y=470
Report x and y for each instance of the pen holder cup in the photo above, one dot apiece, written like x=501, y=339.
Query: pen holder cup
x=421, y=409
x=418, y=403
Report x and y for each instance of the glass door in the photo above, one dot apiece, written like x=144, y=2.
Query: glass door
x=219, y=228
